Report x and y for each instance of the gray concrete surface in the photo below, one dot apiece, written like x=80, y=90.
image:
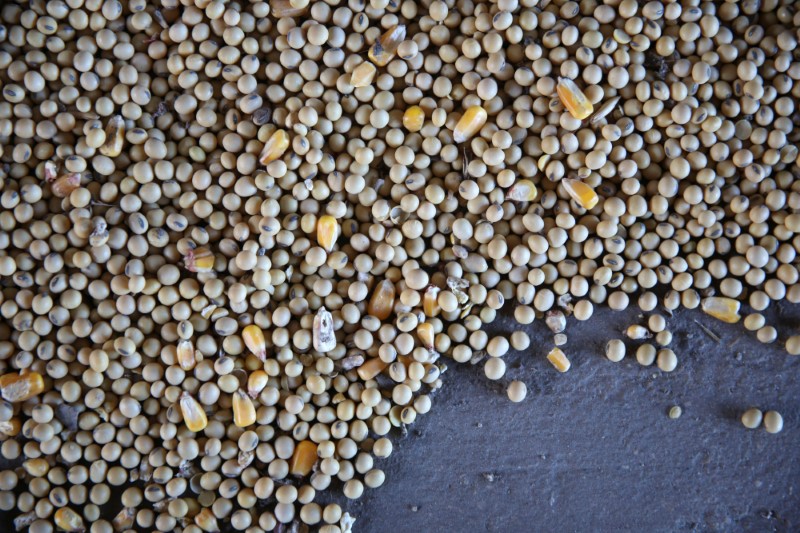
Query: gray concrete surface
x=594, y=449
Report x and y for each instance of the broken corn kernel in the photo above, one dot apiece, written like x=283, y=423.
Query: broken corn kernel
x=363, y=74
x=65, y=184
x=115, y=137
x=426, y=334
x=284, y=8
x=383, y=50
x=583, y=194
x=275, y=147
x=322, y=334
x=303, y=458
x=722, y=308
x=558, y=359
x=413, y=118
x=371, y=368
x=124, y=519
x=256, y=382
x=382, y=301
x=50, y=171
x=199, y=260
x=206, y=520
x=21, y=387
x=573, y=99
x=430, y=301
x=253, y=338
x=523, y=191
x=68, y=520
x=244, y=412
x=186, y=358
x=469, y=124
x=327, y=232
x=193, y=414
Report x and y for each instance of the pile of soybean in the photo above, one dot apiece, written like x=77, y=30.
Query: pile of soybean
x=241, y=240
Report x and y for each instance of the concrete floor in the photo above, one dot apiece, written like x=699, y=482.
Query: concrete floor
x=594, y=449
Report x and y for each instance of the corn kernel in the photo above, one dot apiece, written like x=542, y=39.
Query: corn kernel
x=558, y=359
x=21, y=387
x=323, y=337
x=275, y=147
x=253, y=338
x=573, y=99
x=382, y=301
x=244, y=412
x=384, y=49
x=469, y=124
x=371, y=368
x=186, y=356
x=303, y=458
x=124, y=519
x=523, y=191
x=363, y=74
x=413, y=118
x=430, y=301
x=50, y=171
x=284, y=8
x=256, y=382
x=327, y=232
x=193, y=414
x=583, y=194
x=11, y=427
x=722, y=308
x=199, y=260
x=426, y=334
x=65, y=184
x=115, y=137
x=206, y=520
x=68, y=520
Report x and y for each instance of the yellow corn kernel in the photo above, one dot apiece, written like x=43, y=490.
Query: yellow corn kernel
x=430, y=301
x=583, y=194
x=383, y=50
x=284, y=8
x=426, y=334
x=244, y=412
x=323, y=337
x=206, y=520
x=65, y=184
x=11, y=427
x=573, y=99
x=115, y=137
x=253, y=338
x=558, y=359
x=256, y=382
x=68, y=520
x=722, y=308
x=469, y=124
x=21, y=387
x=414, y=118
x=193, y=414
x=382, y=301
x=199, y=260
x=363, y=74
x=36, y=467
x=275, y=147
x=124, y=519
x=523, y=191
x=303, y=458
x=371, y=368
x=186, y=358
x=327, y=232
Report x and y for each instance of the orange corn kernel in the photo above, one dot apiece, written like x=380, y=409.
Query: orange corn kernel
x=115, y=137
x=65, y=184
x=722, y=308
x=244, y=412
x=583, y=194
x=327, y=232
x=253, y=338
x=275, y=147
x=414, y=118
x=371, y=368
x=383, y=50
x=363, y=74
x=382, y=301
x=469, y=124
x=193, y=414
x=303, y=458
x=186, y=356
x=573, y=99
x=21, y=387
